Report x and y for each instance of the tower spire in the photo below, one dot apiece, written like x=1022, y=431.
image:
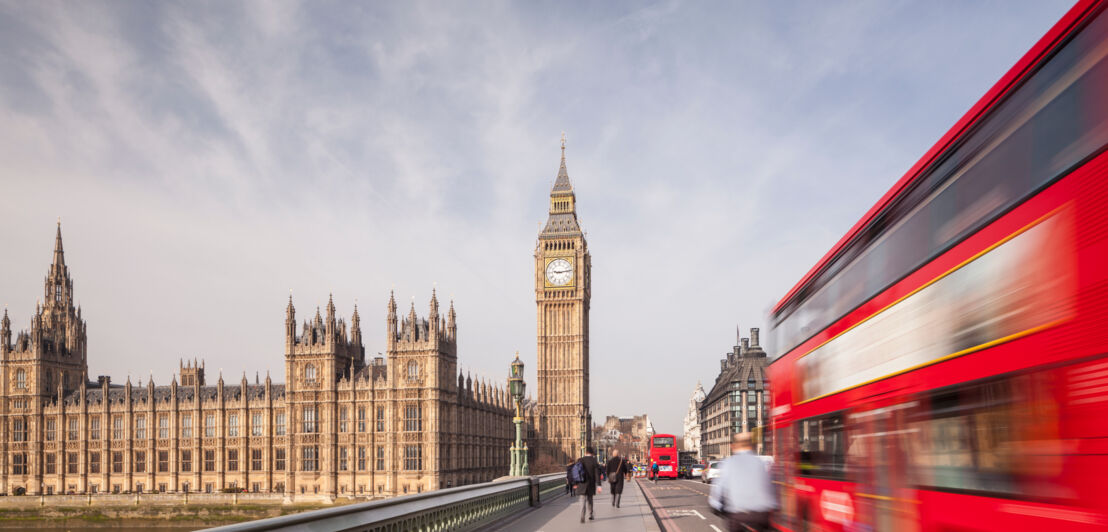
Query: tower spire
x=59, y=259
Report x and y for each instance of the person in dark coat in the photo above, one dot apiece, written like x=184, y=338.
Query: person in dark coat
x=592, y=480
x=569, y=480
x=617, y=469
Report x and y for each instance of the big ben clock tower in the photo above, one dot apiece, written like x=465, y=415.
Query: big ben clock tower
x=563, y=285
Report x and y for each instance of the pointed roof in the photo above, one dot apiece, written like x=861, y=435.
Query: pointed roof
x=561, y=183
x=562, y=220
x=59, y=253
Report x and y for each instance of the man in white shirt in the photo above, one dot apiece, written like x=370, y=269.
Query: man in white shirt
x=743, y=492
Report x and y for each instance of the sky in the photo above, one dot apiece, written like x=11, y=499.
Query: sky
x=207, y=157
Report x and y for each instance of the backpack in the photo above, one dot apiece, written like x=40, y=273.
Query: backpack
x=577, y=473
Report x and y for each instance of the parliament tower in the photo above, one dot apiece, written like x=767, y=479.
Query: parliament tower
x=563, y=279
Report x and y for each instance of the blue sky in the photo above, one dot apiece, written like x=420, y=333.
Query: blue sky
x=206, y=157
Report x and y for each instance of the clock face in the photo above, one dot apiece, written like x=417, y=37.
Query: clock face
x=559, y=272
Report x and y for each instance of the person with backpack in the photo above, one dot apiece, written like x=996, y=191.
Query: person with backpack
x=586, y=476
x=617, y=468
x=654, y=471
x=569, y=479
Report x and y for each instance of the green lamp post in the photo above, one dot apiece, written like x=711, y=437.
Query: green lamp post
x=516, y=388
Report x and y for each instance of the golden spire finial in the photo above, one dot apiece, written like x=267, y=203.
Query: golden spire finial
x=563, y=143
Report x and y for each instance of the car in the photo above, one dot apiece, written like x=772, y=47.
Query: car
x=696, y=470
x=712, y=471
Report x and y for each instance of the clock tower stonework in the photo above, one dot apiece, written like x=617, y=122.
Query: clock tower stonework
x=563, y=286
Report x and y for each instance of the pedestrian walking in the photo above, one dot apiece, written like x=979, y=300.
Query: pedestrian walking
x=589, y=485
x=617, y=469
x=742, y=493
x=569, y=479
x=654, y=471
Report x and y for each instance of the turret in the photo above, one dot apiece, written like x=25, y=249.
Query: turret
x=451, y=324
x=290, y=324
x=392, y=332
x=433, y=315
x=5, y=333
x=356, y=327
x=332, y=330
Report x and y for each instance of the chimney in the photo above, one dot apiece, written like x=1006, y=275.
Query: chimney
x=746, y=346
x=754, y=337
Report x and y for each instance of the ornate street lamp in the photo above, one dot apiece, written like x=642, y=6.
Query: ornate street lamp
x=516, y=387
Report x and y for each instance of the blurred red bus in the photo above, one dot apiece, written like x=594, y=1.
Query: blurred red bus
x=663, y=451
x=945, y=365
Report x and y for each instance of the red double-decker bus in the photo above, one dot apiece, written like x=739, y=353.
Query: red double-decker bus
x=663, y=451
x=945, y=365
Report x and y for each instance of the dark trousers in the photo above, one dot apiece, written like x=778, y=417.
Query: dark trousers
x=747, y=521
x=615, y=498
x=586, y=501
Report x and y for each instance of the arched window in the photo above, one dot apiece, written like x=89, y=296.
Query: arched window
x=309, y=372
x=21, y=379
x=413, y=370
x=58, y=292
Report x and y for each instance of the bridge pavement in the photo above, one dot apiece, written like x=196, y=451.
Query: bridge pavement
x=564, y=513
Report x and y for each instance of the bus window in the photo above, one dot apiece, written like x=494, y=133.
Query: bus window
x=822, y=447
x=965, y=439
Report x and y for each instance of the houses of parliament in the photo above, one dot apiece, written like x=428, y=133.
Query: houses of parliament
x=339, y=425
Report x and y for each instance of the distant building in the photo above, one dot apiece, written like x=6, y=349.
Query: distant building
x=739, y=399
x=630, y=435
x=339, y=425
x=692, y=421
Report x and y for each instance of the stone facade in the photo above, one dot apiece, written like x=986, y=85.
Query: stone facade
x=692, y=421
x=563, y=287
x=404, y=423
x=631, y=435
x=738, y=401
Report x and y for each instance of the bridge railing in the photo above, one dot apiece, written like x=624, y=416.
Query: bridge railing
x=461, y=508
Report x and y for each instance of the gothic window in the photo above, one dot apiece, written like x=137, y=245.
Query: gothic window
x=309, y=420
x=140, y=462
x=93, y=462
x=163, y=461
x=74, y=429
x=256, y=459
x=58, y=292
x=413, y=457
x=380, y=419
x=232, y=460
x=21, y=379
x=163, y=427
x=413, y=418
x=343, y=465
x=413, y=370
x=209, y=460
x=186, y=426
x=19, y=429
x=310, y=459
x=71, y=463
x=19, y=464
x=117, y=462
x=380, y=458
x=256, y=424
x=361, y=419
x=309, y=373
x=94, y=428
x=361, y=458
x=209, y=426
x=279, y=461
x=279, y=422
x=186, y=461
x=51, y=463
x=117, y=427
x=51, y=429
x=140, y=427
x=233, y=425
x=342, y=419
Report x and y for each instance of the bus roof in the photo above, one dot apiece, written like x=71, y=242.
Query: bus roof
x=1060, y=30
